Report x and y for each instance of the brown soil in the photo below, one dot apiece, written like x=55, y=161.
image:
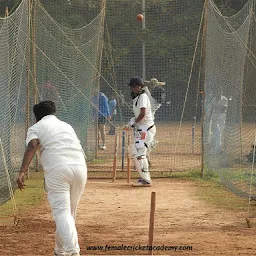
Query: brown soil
x=117, y=214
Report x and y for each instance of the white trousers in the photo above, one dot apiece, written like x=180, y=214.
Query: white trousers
x=138, y=150
x=64, y=186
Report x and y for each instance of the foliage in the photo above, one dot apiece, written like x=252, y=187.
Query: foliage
x=28, y=198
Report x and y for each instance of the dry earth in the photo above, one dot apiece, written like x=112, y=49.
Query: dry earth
x=117, y=214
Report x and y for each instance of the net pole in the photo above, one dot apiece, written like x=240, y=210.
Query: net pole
x=34, y=52
x=152, y=223
x=99, y=61
x=115, y=157
x=6, y=12
x=193, y=135
x=100, y=45
x=203, y=83
x=123, y=148
x=5, y=163
x=28, y=74
x=143, y=42
x=128, y=161
x=34, y=64
x=27, y=108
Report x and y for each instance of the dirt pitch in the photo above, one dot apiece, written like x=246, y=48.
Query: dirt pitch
x=117, y=214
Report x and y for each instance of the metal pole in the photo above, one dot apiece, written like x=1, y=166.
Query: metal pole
x=203, y=82
x=123, y=148
x=193, y=134
x=115, y=157
x=152, y=223
x=128, y=161
x=143, y=42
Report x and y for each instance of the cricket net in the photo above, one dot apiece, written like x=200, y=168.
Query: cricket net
x=66, y=51
x=41, y=59
x=229, y=125
x=13, y=78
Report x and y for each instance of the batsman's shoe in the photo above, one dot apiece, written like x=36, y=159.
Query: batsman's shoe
x=142, y=183
x=102, y=147
x=73, y=254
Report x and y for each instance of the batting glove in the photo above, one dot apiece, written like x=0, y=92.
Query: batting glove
x=131, y=122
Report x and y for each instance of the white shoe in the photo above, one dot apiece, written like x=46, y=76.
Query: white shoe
x=74, y=254
x=141, y=183
x=103, y=147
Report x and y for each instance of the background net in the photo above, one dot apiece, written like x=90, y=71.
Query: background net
x=170, y=41
x=13, y=80
x=229, y=127
x=67, y=50
x=67, y=71
x=52, y=62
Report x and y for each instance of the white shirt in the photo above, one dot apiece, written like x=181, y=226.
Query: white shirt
x=142, y=101
x=59, y=144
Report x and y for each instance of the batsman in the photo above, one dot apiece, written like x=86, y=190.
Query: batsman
x=145, y=130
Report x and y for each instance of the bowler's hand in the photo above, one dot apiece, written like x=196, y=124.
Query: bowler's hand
x=28, y=156
x=21, y=180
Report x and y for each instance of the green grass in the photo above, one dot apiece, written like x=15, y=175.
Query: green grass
x=216, y=194
x=28, y=198
x=209, y=189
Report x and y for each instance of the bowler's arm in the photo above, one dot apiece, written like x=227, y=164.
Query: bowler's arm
x=27, y=158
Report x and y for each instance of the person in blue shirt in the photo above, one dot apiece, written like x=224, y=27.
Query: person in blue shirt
x=103, y=117
x=112, y=108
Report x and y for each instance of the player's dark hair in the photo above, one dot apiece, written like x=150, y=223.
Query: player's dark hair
x=136, y=81
x=43, y=109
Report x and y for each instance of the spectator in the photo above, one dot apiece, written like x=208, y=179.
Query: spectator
x=112, y=108
x=103, y=117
